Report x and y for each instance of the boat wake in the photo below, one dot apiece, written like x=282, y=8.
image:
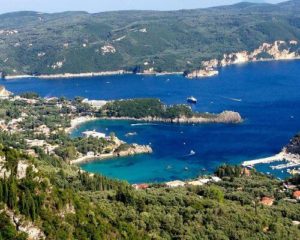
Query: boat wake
x=143, y=124
x=192, y=153
x=233, y=99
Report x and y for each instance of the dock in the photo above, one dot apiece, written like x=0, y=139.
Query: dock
x=293, y=160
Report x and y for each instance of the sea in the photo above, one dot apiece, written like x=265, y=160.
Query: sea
x=266, y=94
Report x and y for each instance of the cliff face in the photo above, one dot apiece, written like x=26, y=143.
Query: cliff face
x=223, y=117
x=135, y=149
x=294, y=145
x=4, y=92
x=279, y=50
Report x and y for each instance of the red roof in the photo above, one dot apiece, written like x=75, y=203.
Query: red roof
x=267, y=201
x=296, y=194
x=140, y=186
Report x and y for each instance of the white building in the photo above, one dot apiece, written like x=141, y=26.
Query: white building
x=176, y=183
x=196, y=183
x=95, y=103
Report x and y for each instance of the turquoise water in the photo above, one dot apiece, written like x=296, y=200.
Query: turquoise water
x=269, y=100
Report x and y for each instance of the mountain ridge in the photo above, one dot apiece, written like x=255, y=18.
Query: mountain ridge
x=173, y=41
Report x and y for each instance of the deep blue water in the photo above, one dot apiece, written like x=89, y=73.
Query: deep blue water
x=270, y=101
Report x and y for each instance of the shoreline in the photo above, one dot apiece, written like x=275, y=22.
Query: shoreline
x=184, y=120
x=88, y=74
x=135, y=149
x=86, y=159
x=123, y=72
x=217, y=118
x=75, y=122
x=292, y=160
x=196, y=74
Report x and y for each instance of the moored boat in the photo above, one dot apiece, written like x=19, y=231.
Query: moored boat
x=191, y=100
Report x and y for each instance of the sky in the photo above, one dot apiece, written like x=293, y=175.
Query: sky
x=111, y=5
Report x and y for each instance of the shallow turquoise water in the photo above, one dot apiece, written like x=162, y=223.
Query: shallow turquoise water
x=270, y=100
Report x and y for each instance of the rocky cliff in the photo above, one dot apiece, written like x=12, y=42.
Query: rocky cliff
x=4, y=92
x=279, y=50
x=135, y=149
x=294, y=145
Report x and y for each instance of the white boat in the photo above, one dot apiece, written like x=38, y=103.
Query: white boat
x=191, y=99
x=192, y=152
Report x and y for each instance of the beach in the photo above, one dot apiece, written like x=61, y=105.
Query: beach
x=78, y=121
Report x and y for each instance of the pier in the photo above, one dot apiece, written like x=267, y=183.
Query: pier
x=292, y=160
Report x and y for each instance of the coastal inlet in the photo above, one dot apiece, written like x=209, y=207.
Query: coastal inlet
x=264, y=93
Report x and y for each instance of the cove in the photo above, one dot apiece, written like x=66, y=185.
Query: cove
x=266, y=94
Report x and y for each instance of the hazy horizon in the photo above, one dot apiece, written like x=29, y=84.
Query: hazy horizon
x=94, y=6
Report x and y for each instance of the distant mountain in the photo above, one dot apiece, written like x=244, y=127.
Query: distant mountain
x=32, y=42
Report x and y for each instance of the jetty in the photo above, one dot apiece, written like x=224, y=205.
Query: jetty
x=292, y=160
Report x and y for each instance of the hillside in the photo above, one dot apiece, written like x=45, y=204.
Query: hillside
x=294, y=145
x=53, y=200
x=44, y=196
x=40, y=43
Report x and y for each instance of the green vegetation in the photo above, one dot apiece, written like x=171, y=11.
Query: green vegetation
x=66, y=203
x=141, y=108
x=167, y=41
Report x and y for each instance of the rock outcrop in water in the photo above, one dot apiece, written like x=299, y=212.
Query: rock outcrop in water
x=279, y=50
x=134, y=149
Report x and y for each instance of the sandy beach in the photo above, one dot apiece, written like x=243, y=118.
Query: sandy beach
x=92, y=158
x=78, y=121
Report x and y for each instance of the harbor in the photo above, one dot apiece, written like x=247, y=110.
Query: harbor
x=292, y=160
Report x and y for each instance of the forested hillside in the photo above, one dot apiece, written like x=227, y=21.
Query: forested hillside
x=60, y=202
x=73, y=42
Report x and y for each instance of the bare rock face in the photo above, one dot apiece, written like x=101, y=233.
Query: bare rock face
x=4, y=92
x=279, y=50
x=229, y=117
x=21, y=169
x=294, y=145
x=136, y=149
x=208, y=72
x=34, y=233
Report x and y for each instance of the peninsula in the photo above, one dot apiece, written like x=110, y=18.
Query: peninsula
x=45, y=123
x=279, y=50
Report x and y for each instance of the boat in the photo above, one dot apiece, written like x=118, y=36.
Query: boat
x=130, y=134
x=191, y=99
x=192, y=152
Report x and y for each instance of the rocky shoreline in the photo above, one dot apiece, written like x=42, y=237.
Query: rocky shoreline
x=133, y=149
x=279, y=50
x=223, y=117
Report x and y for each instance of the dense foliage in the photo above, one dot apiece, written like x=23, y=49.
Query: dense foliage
x=38, y=43
x=66, y=203
x=141, y=108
